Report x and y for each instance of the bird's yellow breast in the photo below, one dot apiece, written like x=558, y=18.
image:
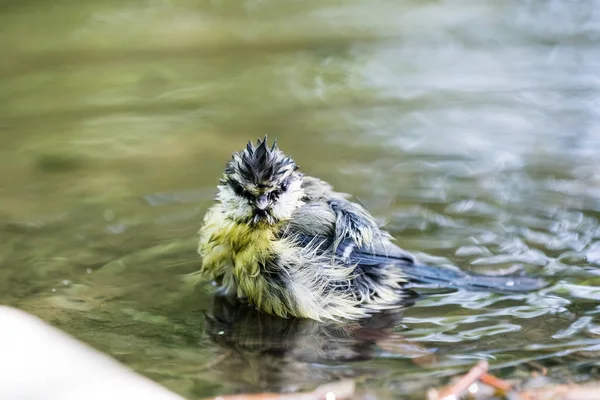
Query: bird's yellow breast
x=228, y=244
x=234, y=253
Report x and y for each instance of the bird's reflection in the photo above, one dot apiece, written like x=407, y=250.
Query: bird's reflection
x=264, y=352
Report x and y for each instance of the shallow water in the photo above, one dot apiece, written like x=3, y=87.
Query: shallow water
x=472, y=128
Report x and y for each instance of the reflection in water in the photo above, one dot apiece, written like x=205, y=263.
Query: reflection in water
x=263, y=351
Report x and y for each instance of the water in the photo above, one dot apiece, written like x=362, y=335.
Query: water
x=472, y=128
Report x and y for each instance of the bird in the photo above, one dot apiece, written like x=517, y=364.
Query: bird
x=291, y=246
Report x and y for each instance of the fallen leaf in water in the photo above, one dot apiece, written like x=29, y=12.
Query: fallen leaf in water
x=454, y=391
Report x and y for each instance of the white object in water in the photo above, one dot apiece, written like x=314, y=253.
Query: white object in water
x=38, y=361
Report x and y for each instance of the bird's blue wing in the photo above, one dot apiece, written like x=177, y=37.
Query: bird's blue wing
x=387, y=255
x=356, y=239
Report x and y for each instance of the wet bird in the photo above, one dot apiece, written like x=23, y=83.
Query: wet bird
x=291, y=246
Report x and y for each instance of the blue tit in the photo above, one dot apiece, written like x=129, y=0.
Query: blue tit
x=291, y=246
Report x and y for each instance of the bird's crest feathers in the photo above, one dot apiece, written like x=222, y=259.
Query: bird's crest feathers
x=258, y=164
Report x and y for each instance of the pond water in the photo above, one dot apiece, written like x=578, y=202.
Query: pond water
x=471, y=127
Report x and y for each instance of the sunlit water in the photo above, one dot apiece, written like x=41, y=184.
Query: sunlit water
x=472, y=128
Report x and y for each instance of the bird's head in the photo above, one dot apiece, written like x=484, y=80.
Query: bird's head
x=261, y=185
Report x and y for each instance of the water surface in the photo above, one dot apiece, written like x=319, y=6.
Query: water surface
x=471, y=128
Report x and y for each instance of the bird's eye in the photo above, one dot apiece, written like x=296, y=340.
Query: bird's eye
x=284, y=186
x=239, y=190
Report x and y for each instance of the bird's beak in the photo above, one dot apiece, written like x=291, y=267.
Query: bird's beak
x=262, y=203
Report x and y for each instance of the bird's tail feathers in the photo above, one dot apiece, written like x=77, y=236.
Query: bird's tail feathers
x=446, y=278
